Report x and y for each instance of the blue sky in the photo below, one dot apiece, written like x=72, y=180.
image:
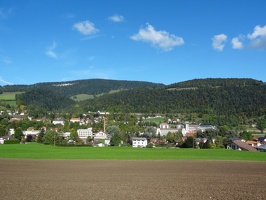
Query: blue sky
x=162, y=41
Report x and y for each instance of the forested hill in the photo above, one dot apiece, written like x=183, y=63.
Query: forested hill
x=223, y=100
x=89, y=86
x=215, y=82
x=243, y=100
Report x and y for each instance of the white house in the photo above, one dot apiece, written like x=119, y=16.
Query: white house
x=62, y=122
x=100, y=136
x=85, y=133
x=139, y=142
x=31, y=132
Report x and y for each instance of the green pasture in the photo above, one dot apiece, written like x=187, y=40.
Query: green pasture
x=155, y=120
x=9, y=96
x=40, y=151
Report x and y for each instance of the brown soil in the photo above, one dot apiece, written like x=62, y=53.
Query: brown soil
x=90, y=179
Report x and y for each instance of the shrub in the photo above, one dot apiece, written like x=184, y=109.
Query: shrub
x=150, y=145
x=11, y=142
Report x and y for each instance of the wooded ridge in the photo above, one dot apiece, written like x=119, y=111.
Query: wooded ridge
x=214, y=100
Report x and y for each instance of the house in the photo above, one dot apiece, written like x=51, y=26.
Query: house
x=139, y=142
x=238, y=144
x=85, y=133
x=164, y=126
x=100, y=136
x=59, y=121
x=252, y=143
x=262, y=148
x=65, y=134
x=73, y=120
x=31, y=131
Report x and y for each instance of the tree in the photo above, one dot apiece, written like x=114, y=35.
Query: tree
x=261, y=124
x=189, y=143
x=115, y=140
x=51, y=137
x=150, y=132
x=40, y=136
x=112, y=130
x=219, y=142
x=74, y=135
x=18, y=133
x=2, y=130
x=174, y=137
x=246, y=135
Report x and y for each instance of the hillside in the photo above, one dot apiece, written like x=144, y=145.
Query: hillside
x=222, y=102
x=90, y=86
x=216, y=101
x=215, y=82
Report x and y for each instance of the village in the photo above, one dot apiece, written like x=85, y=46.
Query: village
x=172, y=133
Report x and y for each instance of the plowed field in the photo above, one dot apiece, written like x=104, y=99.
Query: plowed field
x=105, y=179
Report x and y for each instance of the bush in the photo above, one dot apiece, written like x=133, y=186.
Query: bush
x=11, y=142
x=73, y=145
x=150, y=145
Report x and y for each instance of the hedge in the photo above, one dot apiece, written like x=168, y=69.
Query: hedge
x=11, y=142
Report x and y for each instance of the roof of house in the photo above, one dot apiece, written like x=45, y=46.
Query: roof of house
x=250, y=142
x=190, y=134
x=263, y=146
x=139, y=138
x=244, y=145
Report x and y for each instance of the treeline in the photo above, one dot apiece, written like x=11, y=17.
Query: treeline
x=216, y=82
x=90, y=86
x=44, y=100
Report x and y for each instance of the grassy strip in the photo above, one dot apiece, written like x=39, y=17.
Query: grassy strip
x=39, y=151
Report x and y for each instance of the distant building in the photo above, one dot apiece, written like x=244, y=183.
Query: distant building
x=73, y=120
x=139, y=142
x=85, y=133
x=59, y=121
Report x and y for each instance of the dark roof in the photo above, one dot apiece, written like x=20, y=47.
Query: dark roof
x=263, y=146
x=244, y=146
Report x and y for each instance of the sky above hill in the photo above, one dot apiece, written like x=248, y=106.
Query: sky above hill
x=162, y=41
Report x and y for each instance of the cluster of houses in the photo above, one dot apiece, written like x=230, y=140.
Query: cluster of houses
x=187, y=130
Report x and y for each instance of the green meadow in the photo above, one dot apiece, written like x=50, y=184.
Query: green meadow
x=9, y=96
x=40, y=151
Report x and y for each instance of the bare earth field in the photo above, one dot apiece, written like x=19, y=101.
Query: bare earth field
x=106, y=179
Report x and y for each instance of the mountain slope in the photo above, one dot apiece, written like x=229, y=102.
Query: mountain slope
x=90, y=86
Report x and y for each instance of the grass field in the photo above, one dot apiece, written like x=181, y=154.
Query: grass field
x=82, y=97
x=39, y=151
x=155, y=120
x=9, y=96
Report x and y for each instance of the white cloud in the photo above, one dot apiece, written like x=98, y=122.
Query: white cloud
x=218, y=42
x=161, y=39
x=85, y=28
x=50, y=51
x=258, y=37
x=5, y=82
x=116, y=18
x=258, y=32
x=236, y=43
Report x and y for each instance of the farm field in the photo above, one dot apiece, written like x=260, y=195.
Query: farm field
x=124, y=179
x=39, y=151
